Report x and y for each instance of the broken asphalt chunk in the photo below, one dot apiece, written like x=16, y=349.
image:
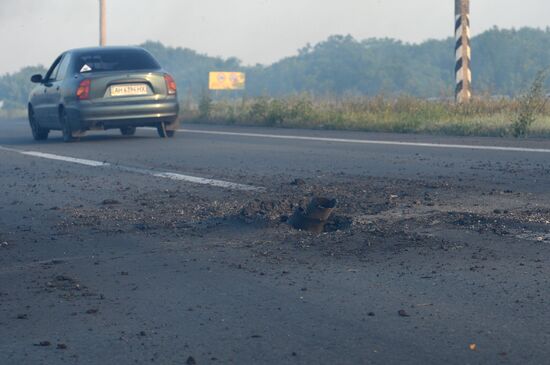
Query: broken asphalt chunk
x=43, y=343
x=402, y=313
x=110, y=202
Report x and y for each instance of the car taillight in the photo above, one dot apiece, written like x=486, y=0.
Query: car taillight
x=170, y=84
x=83, y=91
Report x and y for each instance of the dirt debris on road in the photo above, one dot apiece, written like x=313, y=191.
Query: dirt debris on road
x=370, y=212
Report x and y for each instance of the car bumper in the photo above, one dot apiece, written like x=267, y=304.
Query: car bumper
x=107, y=115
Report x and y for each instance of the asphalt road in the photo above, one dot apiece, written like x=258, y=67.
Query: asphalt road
x=124, y=250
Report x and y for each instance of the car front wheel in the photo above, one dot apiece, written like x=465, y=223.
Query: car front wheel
x=38, y=133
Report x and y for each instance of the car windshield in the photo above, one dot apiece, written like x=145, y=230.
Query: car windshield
x=115, y=60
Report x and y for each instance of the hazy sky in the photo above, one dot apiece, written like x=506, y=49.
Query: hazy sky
x=35, y=31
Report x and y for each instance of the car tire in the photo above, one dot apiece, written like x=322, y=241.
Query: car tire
x=66, y=127
x=38, y=133
x=163, y=132
x=128, y=131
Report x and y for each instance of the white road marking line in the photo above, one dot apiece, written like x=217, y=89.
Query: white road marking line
x=159, y=174
x=371, y=142
x=200, y=180
x=190, y=179
x=79, y=161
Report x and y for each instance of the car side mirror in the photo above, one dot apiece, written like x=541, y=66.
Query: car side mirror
x=37, y=78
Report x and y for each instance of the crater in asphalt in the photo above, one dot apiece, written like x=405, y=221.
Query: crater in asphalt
x=386, y=213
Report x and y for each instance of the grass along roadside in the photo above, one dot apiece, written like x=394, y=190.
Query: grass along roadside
x=481, y=117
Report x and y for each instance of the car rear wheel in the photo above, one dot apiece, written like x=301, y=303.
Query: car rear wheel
x=67, y=130
x=38, y=133
x=163, y=132
x=128, y=131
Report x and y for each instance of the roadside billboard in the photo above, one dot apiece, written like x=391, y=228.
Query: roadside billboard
x=226, y=81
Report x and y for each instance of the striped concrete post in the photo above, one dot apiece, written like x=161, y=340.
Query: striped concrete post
x=463, y=54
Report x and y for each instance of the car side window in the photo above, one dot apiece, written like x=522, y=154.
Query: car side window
x=52, y=72
x=63, y=67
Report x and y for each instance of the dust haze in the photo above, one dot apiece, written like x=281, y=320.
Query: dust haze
x=254, y=31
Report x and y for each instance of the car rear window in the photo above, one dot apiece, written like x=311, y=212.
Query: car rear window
x=115, y=60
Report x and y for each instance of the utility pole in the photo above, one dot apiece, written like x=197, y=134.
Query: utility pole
x=463, y=53
x=102, y=23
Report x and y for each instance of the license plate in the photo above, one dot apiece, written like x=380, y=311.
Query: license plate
x=129, y=90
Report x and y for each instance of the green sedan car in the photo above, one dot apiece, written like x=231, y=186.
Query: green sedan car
x=103, y=88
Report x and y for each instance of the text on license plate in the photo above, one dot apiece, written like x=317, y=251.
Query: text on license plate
x=129, y=89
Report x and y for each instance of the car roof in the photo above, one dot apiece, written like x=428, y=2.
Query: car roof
x=107, y=48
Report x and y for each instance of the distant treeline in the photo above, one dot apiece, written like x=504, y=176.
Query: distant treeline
x=505, y=62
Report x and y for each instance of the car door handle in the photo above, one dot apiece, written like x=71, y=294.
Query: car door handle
x=57, y=88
